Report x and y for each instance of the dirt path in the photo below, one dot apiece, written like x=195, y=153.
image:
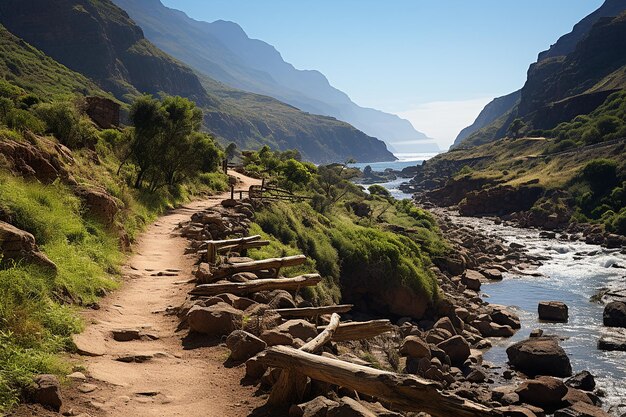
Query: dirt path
x=175, y=381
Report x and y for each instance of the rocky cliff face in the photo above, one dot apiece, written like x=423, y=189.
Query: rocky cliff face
x=588, y=60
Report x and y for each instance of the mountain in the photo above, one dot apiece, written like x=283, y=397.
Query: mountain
x=493, y=111
x=572, y=77
x=99, y=40
x=223, y=51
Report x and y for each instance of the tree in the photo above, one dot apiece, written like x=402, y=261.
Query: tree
x=516, y=128
x=230, y=151
x=295, y=173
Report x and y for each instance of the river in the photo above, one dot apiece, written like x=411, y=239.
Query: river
x=572, y=272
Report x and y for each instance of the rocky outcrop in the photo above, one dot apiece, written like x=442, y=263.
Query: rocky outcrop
x=100, y=204
x=540, y=356
x=500, y=200
x=18, y=245
x=103, y=111
x=38, y=162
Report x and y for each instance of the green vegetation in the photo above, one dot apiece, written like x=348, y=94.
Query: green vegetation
x=348, y=248
x=38, y=306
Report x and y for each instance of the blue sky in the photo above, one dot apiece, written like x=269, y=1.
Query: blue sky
x=435, y=62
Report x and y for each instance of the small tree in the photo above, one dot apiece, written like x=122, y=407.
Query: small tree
x=516, y=128
x=230, y=151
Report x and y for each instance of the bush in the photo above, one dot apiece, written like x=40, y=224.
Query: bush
x=600, y=174
x=379, y=190
x=23, y=120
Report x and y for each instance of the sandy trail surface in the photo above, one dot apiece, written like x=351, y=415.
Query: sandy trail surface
x=180, y=377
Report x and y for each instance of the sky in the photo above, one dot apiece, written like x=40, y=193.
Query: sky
x=433, y=62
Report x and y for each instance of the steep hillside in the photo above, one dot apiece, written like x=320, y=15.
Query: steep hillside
x=223, y=51
x=493, y=111
x=100, y=41
x=573, y=77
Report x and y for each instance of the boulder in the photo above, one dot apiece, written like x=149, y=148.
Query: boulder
x=254, y=369
x=582, y=380
x=545, y=392
x=540, y=355
x=103, y=111
x=615, y=341
x=349, y=408
x=456, y=348
x=446, y=324
x=47, y=392
x=490, y=329
x=615, y=314
x=574, y=396
x=414, y=347
x=516, y=411
x=553, y=311
x=581, y=409
x=216, y=320
x=472, y=279
x=317, y=407
x=492, y=274
x=505, y=317
x=203, y=273
x=29, y=160
x=300, y=329
x=244, y=345
x=100, y=204
x=17, y=244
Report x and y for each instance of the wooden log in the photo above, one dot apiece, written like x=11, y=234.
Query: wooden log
x=403, y=391
x=287, y=389
x=271, y=264
x=243, y=246
x=244, y=288
x=312, y=311
x=359, y=330
x=213, y=246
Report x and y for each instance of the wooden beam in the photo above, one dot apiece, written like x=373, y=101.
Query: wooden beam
x=244, y=288
x=312, y=311
x=288, y=387
x=359, y=330
x=403, y=391
x=269, y=264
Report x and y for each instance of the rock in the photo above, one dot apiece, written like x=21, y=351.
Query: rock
x=103, y=111
x=203, y=273
x=540, y=355
x=100, y=204
x=349, y=408
x=515, y=411
x=282, y=299
x=545, y=392
x=317, y=407
x=17, y=244
x=489, y=329
x=492, y=274
x=504, y=317
x=454, y=263
x=28, y=160
x=244, y=345
x=615, y=314
x=536, y=333
x=446, y=324
x=553, y=311
x=126, y=335
x=274, y=338
x=574, y=396
x=300, y=329
x=87, y=388
x=254, y=369
x=582, y=380
x=217, y=320
x=47, y=392
x=414, y=347
x=456, y=348
x=581, y=410
x=77, y=376
x=613, y=342
x=472, y=279
x=476, y=376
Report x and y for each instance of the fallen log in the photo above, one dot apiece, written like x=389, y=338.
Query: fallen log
x=306, y=312
x=214, y=246
x=359, y=330
x=290, y=385
x=265, y=264
x=244, y=288
x=403, y=391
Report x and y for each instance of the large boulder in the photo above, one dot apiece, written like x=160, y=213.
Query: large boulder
x=100, y=204
x=545, y=392
x=582, y=380
x=456, y=348
x=491, y=329
x=553, y=311
x=103, y=111
x=244, y=345
x=217, y=320
x=615, y=314
x=540, y=356
x=615, y=341
x=472, y=279
x=17, y=244
x=414, y=347
x=505, y=317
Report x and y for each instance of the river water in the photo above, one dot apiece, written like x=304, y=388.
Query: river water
x=574, y=273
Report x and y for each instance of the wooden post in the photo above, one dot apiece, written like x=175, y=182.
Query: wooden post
x=232, y=192
x=403, y=391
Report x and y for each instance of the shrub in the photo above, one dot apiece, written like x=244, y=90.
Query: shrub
x=379, y=190
x=600, y=174
x=23, y=120
x=591, y=135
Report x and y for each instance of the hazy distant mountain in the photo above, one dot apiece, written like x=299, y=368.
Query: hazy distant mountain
x=99, y=40
x=224, y=51
x=572, y=77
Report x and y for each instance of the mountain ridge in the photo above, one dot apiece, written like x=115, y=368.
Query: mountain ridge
x=223, y=51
